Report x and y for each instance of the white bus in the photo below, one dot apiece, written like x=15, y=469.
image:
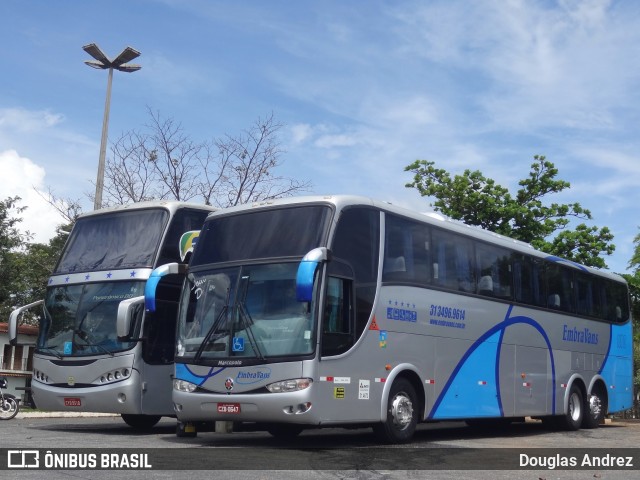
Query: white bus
x=81, y=362
x=340, y=310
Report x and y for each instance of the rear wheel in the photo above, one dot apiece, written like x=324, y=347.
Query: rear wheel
x=140, y=422
x=572, y=419
x=402, y=414
x=595, y=409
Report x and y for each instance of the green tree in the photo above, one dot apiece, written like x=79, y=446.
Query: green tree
x=525, y=215
x=634, y=288
x=24, y=267
x=11, y=239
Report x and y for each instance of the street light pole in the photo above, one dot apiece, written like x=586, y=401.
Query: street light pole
x=103, y=62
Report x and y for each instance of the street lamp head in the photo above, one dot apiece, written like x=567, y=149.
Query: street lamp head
x=119, y=63
x=128, y=67
x=126, y=55
x=96, y=64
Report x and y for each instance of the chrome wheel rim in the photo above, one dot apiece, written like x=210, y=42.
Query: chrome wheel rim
x=401, y=411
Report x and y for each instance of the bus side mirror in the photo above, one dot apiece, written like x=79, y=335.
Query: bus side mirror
x=13, y=321
x=307, y=270
x=154, y=279
x=126, y=313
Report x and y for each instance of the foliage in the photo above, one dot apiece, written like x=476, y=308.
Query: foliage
x=24, y=267
x=525, y=215
x=10, y=240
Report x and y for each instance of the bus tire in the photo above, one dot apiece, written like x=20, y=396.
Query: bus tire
x=140, y=422
x=595, y=409
x=572, y=419
x=402, y=414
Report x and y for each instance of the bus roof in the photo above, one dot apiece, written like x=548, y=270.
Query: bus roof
x=341, y=201
x=169, y=204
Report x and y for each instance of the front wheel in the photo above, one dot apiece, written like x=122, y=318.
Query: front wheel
x=140, y=422
x=8, y=407
x=402, y=414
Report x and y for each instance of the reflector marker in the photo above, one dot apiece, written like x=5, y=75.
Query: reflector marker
x=482, y=382
x=380, y=380
x=526, y=384
x=326, y=379
x=430, y=381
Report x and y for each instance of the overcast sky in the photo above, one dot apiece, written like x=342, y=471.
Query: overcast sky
x=363, y=88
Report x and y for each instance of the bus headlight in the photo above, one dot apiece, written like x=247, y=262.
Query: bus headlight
x=290, y=385
x=182, y=386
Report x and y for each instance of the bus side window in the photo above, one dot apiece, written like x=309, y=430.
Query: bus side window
x=406, y=250
x=560, y=288
x=337, y=325
x=453, y=262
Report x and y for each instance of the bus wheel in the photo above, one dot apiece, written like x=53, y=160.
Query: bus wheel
x=140, y=422
x=596, y=408
x=572, y=419
x=402, y=416
x=284, y=431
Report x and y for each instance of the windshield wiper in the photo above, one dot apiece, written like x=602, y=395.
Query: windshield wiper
x=85, y=338
x=245, y=317
x=247, y=321
x=213, y=329
x=51, y=351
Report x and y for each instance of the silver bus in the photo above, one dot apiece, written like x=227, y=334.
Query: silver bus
x=81, y=362
x=344, y=311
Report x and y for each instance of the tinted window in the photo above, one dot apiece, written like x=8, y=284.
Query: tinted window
x=284, y=232
x=529, y=281
x=184, y=220
x=406, y=257
x=124, y=239
x=453, y=265
x=356, y=243
x=494, y=272
x=617, y=305
x=560, y=288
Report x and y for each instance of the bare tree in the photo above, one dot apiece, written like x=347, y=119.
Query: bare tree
x=246, y=167
x=165, y=163
x=130, y=173
x=68, y=208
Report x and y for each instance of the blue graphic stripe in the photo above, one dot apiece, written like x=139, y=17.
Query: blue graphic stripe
x=498, y=353
x=501, y=327
x=183, y=372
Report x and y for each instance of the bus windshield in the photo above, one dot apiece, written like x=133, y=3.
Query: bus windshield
x=81, y=319
x=244, y=312
x=283, y=232
x=111, y=241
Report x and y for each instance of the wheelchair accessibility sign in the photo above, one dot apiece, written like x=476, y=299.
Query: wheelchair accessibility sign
x=238, y=344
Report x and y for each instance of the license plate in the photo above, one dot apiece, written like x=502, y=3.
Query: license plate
x=228, y=408
x=72, y=402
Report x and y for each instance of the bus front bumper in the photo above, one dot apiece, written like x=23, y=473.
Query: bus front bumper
x=289, y=407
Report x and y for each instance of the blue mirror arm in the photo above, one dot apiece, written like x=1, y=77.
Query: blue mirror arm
x=306, y=273
x=154, y=280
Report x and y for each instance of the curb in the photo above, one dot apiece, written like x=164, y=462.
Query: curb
x=63, y=414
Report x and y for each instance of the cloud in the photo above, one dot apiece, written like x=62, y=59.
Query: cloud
x=25, y=121
x=23, y=178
